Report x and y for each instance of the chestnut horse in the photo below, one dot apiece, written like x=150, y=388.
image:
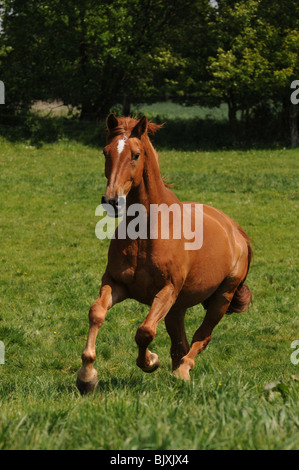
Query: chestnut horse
x=160, y=272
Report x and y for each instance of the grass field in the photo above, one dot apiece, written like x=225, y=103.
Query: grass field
x=51, y=266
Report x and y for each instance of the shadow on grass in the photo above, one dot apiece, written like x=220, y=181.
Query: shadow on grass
x=119, y=383
x=180, y=134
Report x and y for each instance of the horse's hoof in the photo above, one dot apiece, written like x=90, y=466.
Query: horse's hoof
x=182, y=372
x=152, y=366
x=182, y=375
x=86, y=387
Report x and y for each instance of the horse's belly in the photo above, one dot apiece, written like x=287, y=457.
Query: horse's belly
x=193, y=295
x=208, y=270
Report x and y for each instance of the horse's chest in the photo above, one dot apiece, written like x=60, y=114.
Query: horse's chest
x=134, y=269
x=138, y=272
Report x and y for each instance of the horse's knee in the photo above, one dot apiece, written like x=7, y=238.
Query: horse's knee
x=96, y=314
x=144, y=335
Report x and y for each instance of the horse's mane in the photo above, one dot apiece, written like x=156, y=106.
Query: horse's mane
x=126, y=126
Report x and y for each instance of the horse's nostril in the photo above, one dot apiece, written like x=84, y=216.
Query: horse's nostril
x=117, y=202
x=112, y=202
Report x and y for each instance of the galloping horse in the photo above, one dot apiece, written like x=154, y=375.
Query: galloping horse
x=158, y=272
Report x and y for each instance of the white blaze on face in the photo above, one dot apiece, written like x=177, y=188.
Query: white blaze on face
x=121, y=145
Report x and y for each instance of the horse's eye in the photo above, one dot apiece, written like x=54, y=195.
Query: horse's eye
x=136, y=156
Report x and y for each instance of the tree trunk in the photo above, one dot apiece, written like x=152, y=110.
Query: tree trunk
x=293, y=125
x=126, y=106
x=87, y=112
x=232, y=115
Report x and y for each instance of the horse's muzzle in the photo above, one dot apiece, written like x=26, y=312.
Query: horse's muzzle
x=115, y=207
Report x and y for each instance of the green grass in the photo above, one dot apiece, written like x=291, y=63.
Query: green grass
x=169, y=110
x=51, y=266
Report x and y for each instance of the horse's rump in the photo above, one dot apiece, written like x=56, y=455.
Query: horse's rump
x=242, y=297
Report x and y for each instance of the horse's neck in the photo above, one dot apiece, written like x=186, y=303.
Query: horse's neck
x=152, y=189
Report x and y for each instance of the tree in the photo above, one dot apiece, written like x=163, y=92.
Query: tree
x=90, y=54
x=256, y=56
x=59, y=50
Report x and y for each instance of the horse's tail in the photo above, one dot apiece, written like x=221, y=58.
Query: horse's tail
x=242, y=298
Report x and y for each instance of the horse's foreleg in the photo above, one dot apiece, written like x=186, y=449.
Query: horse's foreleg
x=146, y=332
x=216, y=310
x=109, y=295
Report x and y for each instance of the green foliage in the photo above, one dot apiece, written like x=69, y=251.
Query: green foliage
x=89, y=54
x=95, y=55
x=257, y=55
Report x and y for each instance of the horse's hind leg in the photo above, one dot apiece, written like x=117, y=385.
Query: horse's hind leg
x=217, y=307
x=175, y=327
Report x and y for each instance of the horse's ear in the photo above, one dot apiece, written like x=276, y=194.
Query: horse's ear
x=112, y=121
x=140, y=128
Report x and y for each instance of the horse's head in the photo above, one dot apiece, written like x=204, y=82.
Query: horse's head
x=125, y=155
